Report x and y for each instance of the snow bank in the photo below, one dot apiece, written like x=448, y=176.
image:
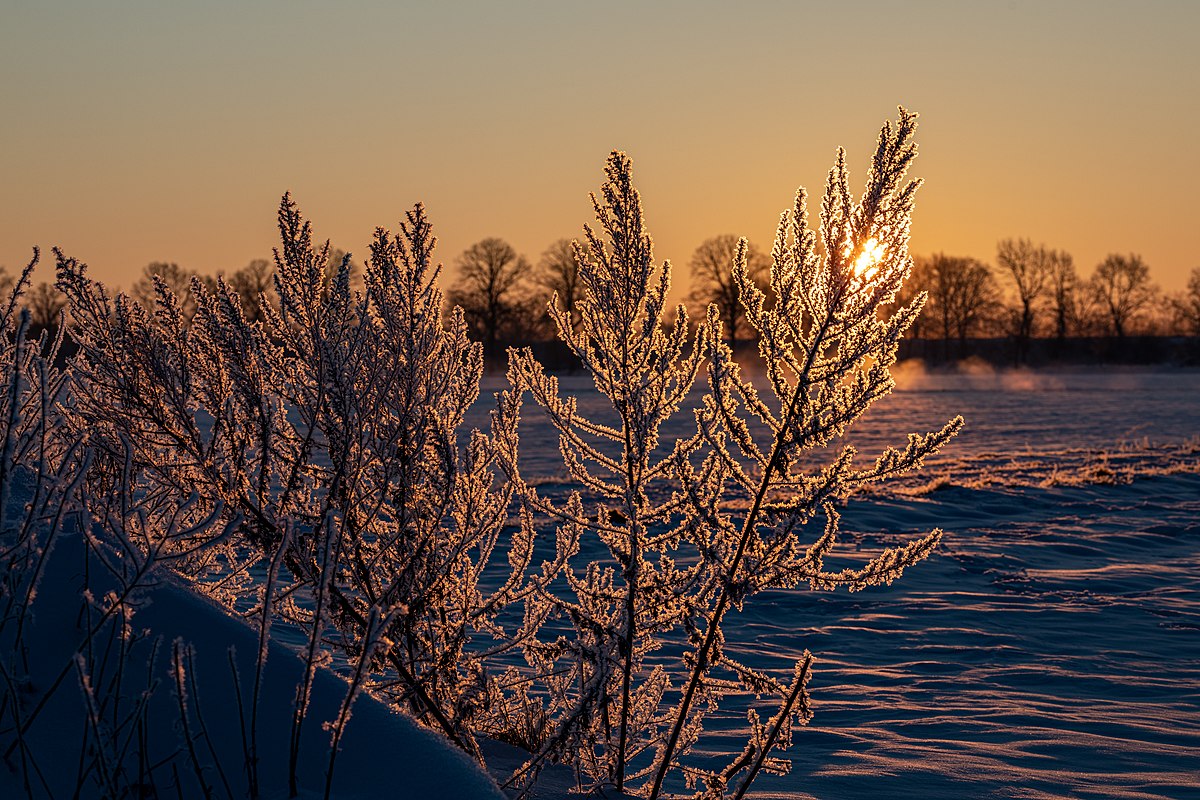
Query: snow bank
x=383, y=754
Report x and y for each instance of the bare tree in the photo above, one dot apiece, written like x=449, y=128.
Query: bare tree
x=1064, y=293
x=255, y=285
x=1122, y=289
x=919, y=281
x=962, y=292
x=175, y=277
x=1027, y=267
x=489, y=290
x=44, y=304
x=1186, y=305
x=712, y=280
x=558, y=272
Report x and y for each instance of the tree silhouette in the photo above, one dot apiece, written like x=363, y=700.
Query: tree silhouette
x=1064, y=293
x=44, y=304
x=1122, y=289
x=712, y=280
x=255, y=285
x=1187, y=305
x=558, y=272
x=489, y=291
x=920, y=278
x=175, y=277
x=961, y=293
x=1028, y=268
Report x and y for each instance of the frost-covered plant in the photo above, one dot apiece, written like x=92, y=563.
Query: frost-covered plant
x=43, y=467
x=604, y=703
x=40, y=473
x=738, y=504
x=37, y=458
x=27, y=395
x=325, y=438
x=33, y=446
x=828, y=343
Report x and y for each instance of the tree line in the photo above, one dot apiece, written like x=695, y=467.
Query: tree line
x=1031, y=292
x=1035, y=292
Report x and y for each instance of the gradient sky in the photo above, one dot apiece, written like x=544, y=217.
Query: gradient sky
x=135, y=132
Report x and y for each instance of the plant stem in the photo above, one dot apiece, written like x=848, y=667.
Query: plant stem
x=748, y=526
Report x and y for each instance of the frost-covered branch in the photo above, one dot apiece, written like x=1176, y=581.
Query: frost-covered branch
x=828, y=347
x=606, y=703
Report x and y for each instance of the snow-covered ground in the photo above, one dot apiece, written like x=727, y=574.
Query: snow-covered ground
x=1050, y=648
x=1010, y=414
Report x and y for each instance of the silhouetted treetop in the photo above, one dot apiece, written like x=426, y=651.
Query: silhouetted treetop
x=492, y=292
x=712, y=281
x=1121, y=287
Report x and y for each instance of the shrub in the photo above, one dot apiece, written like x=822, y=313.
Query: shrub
x=738, y=505
x=324, y=441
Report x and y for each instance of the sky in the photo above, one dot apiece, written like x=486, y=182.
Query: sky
x=167, y=131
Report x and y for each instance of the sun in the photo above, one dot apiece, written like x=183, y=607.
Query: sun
x=868, y=260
